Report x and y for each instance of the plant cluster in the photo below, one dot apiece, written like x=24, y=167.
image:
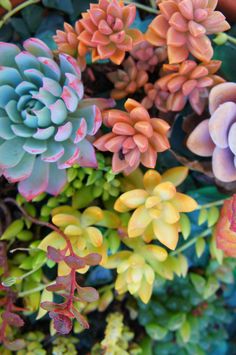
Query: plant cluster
x=118, y=171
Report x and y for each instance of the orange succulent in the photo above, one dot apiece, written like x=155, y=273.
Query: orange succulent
x=188, y=81
x=67, y=42
x=183, y=25
x=106, y=30
x=128, y=80
x=226, y=228
x=157, y=207
x=135, y=137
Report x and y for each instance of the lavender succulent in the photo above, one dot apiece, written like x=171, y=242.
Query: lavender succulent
x=44, y=120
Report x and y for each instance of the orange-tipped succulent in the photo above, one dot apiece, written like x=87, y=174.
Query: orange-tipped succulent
x=188, y=81
x=128, y=80
x=147, y=56
x=157, y=207
x=106, y=30
x=183, y=25
x=67, y=42
x=135, y=138
x=226, y=228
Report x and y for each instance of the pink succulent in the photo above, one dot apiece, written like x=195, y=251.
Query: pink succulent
x=155, y=97
x=128, y=80
x=188, y=81
x=106, y=30
x=135, y=138
x=147, y=56
x=183, y=26
x=216, y=137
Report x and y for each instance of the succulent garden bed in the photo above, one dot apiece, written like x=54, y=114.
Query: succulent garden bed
x=118, y=177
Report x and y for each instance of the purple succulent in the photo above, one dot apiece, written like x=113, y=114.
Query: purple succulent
x=44, y=120
x=216, y=136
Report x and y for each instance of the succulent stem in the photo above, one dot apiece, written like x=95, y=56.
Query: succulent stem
x=33, y=290
x=206, y=233
x=142, y=7
x=20, y=7
x=211, y=204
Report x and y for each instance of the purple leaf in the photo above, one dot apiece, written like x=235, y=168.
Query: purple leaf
x=62, y=324
x=12, y=319
x=93, y=259
x=75, y=262
x=55, y=254
x=82, y=321
x=15, y=345
x=87, y=294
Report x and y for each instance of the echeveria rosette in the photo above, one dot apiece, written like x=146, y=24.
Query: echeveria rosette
x=216, y=136
x=44, y=121
x=157, y=207
x=184, y=26
x=225, y=232
x=107, y=30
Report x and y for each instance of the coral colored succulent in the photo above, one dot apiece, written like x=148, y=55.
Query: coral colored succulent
x=188, y=81
x=128, y=80
x=147, y=56
x=67, y=42
x=44, y=121
x=157, y=207
x=106, y=30
x=183, y=25
x=155, y=97
x=225, y=232
x=79, y=228
x=135, y=138
x=216, y=137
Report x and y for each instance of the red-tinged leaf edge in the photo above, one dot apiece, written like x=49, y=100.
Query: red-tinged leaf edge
x=82, y=321
x=55, y=254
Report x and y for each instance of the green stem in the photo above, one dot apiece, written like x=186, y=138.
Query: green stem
x=231, y=39
x=33, y=290
x=153, y=4
x=20, y=7
x=31, y=271
x=142, y=7
x=211, y=204
x=206, y=233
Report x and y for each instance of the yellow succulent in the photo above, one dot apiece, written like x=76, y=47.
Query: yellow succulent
x=157, y=206
x=79, y=228
x=135, y=274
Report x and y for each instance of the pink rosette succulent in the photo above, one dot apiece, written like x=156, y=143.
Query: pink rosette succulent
x=147, y=56
x=106, y=30
x=187, y=81
x=216, y=136
x=183, y=25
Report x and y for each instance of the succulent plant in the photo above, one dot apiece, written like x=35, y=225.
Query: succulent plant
x=135, y=137
x=155, y=97
x=183, y=25
x=106, y=30
x=67, y=42
x=225, y=232
x=188, y=81
x=157, y=206
x=44, y=121
x=127, y=80
x=134, y=267
x=147, y=56
x=215, y=137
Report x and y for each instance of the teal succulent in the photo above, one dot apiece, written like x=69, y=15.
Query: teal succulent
x=44, y=120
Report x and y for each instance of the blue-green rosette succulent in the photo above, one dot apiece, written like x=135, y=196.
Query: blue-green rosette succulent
x=44, y=120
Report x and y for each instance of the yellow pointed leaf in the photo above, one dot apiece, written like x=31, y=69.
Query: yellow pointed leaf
x=138, y=222
x=95, y=236
x=149, y=274
x=200, y=247
x=136, y=274
x=45, y=296
x=166, y=190
x=109, y=220
x=175, y=175
x=157, y=252
x=152, y=201
x=63, y=220
x=114, y=260
x=53, y=239
x=166, y=233
x=151, y=179
x=65, y=210
x=184, y=203
x=120, y=206
x=185, y=225
x=73, y=230
x=134, y=198
x=91, y=215
x=170, y=214
x=145, y=291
